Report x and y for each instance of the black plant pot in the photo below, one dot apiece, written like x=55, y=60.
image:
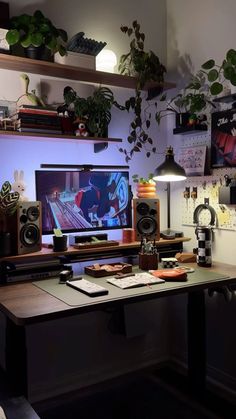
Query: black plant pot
x=182, y=119
x=38, y=53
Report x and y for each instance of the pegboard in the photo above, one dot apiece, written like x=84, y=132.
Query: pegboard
x=207, y=191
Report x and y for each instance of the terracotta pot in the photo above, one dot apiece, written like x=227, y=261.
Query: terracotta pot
x=146, y=190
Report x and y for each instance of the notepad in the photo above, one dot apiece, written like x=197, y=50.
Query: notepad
x=138, y=280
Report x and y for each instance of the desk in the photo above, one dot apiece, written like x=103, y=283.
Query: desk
x=25, y=303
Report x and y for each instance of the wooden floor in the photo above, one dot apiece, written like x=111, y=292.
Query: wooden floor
x=148, y=396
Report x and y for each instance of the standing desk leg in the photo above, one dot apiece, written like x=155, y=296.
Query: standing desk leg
x=16, y=358
x=196, y=343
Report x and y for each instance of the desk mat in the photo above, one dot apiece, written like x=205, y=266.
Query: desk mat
x=72, y=297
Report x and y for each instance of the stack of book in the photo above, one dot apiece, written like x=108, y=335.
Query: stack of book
x=37, y=120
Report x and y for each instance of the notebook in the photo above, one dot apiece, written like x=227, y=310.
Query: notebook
x=138, y=280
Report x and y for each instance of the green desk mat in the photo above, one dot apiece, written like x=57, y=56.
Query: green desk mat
x=72, y=297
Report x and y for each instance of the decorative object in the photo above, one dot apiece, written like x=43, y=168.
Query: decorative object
x=193, y=160
x=95, y=109
x=106, y=61
x=169, y=171
x=19, y=185
x=35, y=33
x=146, y=187
x=76, y=59
x=28, y=98
x=145, y=66
x=81, y=127
x=85, y=45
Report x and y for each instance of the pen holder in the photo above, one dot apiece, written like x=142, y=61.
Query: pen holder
x=59, y=243
x=147, y=262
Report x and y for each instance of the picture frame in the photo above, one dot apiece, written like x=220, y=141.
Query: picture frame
x=194, y=160
x=4, y=112
x=223, y=139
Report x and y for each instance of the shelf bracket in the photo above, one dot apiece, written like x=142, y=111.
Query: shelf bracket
x=100, y=147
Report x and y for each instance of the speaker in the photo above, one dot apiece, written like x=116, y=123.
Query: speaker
x=25, y=227
x=146, y=212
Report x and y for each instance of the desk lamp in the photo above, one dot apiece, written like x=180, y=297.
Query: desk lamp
x=169, y=171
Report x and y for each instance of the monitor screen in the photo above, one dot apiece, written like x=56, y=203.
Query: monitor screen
x=77, y=201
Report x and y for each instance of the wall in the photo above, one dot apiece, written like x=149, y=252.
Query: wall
x=51, y=368
x=197, y=32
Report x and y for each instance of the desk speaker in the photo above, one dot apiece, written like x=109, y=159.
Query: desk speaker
x=146, y=218
x=25, y=228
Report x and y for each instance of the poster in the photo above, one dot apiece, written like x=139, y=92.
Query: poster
x=223, y=139
x=193, y=159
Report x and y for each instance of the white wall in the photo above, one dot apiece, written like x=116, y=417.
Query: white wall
x=198, y=31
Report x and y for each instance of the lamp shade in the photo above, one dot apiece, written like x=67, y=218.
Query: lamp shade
x=169, y=170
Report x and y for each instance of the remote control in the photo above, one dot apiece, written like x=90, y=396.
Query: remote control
x=87, y=287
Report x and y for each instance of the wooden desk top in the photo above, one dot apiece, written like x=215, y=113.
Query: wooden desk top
x=46, y=253
x=25, y=303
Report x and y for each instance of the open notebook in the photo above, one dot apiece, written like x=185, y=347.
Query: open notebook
x=138, y=280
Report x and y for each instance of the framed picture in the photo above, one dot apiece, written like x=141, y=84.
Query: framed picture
x=193, y=160
x=223, y=139
x=4, y=112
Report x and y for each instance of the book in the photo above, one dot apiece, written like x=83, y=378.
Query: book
x=37, y=124
x=38, y=117
x=40, y=130
x=47, y=108
x=37, y=111
x=138, y=280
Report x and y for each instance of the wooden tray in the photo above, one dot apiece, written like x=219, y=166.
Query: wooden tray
x=125, y=268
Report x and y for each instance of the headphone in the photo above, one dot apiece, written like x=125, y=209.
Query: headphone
x=199, y=209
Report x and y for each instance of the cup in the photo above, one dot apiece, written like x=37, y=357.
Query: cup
x=59, y=243
x=5, y=244
x=147, y=262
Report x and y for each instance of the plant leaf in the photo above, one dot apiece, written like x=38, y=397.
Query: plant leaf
x=208, y=64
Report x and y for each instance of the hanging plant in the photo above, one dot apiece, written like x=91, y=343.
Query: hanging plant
x=145, y=67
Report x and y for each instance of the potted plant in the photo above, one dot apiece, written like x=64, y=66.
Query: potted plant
x=95, y=110
x=145, y=67
x=189, y=105
x=36, y=33
x=146, y=187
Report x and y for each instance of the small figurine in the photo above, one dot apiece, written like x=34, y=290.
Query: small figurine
x=81, y=130
x=28, y=98
x=19, y=185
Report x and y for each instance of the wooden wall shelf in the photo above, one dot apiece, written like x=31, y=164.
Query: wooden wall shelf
x=45, y=68
x=99, y=143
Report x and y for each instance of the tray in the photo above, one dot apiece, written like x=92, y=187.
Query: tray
x=125, y=268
